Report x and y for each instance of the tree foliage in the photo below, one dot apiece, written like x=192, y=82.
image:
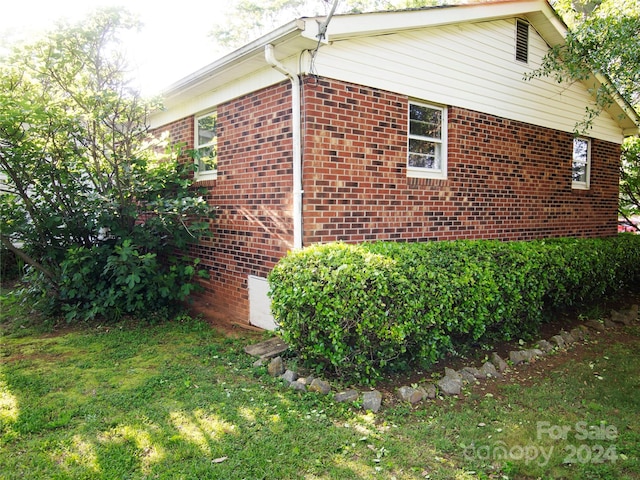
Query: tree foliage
x=92, y=207
x=603, y=39
x=630, y=179
x=248, y=19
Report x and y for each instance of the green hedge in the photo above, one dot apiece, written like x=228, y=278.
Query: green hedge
x=360, y=310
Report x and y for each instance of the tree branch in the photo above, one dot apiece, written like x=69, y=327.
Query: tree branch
x=30, y=261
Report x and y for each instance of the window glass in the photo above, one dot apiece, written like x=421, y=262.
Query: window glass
x=581, y=161
x=427, y=141
x=206, y=152
x=425, y=121
x=424, y=154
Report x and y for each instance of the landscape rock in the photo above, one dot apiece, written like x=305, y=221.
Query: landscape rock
x=347, y=396
x=488, y=369
x=624, y=317
x=319, y=386
x=545, y=346
x=567, y=337
x=267, y=349
x=467, y=376
x=259, y=363
x=498, y=362
x=276, y=367
x=528, y=355
x=450, y=384
x=409, y=394
x=594, y=325
x=289, y=376
x=372, y=400
x=536, y=353
x=558, y=341
x=473, y=371
x=298, y=385
x=428, y=391
x=450, y=372
x=518, y=356
x=577, y=333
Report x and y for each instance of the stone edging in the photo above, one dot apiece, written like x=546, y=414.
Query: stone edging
x=453, y=381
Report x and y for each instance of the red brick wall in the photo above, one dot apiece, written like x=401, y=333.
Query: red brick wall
x=506, y=179
x=253, y=228
x=181, y=132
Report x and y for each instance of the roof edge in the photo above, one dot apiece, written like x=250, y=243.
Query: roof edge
x=374, y=23
x=204, y=73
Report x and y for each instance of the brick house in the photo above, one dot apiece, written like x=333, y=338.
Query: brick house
x=411, y=125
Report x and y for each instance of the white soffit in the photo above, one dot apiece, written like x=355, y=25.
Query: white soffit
x=299, y=35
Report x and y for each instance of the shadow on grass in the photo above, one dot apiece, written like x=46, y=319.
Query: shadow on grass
x=178, y=400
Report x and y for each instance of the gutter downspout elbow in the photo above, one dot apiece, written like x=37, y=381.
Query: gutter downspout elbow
x=297, y=142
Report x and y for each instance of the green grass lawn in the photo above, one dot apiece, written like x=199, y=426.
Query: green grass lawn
x=181, y=401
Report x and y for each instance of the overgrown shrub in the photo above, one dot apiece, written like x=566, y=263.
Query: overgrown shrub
x=340, y=308
x=113, y=280
x=94, y=205
x=364, y=309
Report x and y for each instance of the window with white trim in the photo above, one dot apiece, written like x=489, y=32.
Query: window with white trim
x=581, y=163
x=427, y=142
x=206, y=146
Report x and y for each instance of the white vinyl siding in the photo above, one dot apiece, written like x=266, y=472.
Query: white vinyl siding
x=468, y=65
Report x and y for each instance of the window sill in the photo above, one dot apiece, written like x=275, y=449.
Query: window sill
x=204, y=176
x=423, y=173
x=580, y=186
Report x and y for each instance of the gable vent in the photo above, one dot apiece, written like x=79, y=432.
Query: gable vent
x=522, y=41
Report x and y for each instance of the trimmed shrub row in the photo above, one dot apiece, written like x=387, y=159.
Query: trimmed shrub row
x=360, y=310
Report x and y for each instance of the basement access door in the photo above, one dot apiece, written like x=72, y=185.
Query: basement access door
x=260, y=303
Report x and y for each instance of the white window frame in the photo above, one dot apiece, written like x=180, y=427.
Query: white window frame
x=578, y=184
x=201, y=175
x=425, y=172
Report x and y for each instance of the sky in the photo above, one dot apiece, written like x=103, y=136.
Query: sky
x=172, y=44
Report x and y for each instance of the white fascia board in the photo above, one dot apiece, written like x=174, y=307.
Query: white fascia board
x=380, y=23
x=620, y=109
x=548, y=25
x=246, y=53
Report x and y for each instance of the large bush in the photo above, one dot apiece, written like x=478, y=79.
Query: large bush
x=94, y=207
x=363, y=309
x=110, y=281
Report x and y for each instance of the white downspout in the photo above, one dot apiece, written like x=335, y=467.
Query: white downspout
x=297, y=143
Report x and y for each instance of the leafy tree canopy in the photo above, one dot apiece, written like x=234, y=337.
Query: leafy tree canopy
x=604, y=38
x=91, y=207
x=251, y=18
